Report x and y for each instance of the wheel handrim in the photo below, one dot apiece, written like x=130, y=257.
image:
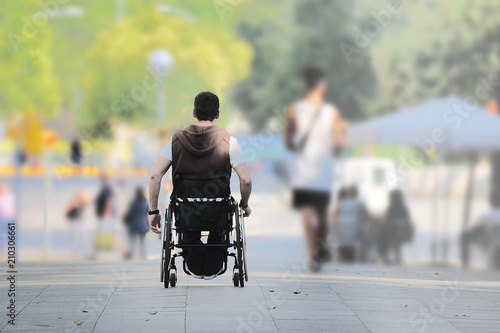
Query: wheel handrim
x=239, y=248
x=166, y=253
x=244, y=242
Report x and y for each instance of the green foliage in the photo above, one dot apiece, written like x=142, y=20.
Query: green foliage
x=120, y=84
x=290, y=36
x=75, y=35
x=419, y=59
x=27, y=83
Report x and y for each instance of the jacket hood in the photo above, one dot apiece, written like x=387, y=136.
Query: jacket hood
x=200, y=140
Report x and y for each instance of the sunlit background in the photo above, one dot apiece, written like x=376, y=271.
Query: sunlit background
x=92, y=87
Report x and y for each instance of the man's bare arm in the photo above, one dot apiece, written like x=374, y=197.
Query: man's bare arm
x=338, y=132
x=157, y=174
x=161, y=167
x=245, y=185
x=290, y=127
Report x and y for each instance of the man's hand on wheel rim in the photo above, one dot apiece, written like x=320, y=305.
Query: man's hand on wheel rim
x=155, y=223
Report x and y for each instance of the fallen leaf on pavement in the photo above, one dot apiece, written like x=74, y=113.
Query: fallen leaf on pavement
x=146, y=319
x=273, y=307
x=79, y=323
x=296, y=292
x=85, y=311
x=271, y=291
x=37, y=302
x=406, y=305
x=153, y=313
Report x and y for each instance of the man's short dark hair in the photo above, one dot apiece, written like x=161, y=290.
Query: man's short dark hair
x=206, y=106
x=312, y=77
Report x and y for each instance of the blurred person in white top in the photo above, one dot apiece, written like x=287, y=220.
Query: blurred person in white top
x=314, y=133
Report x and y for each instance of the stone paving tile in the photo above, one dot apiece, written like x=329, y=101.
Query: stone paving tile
x=309, y=305
x=472, y=325
x=382, y=305
x=333, y=324
x=52, y=296
x=339, y=329
x=472, y=314
x=236, y=324
x=434, y=328
x=309, y=315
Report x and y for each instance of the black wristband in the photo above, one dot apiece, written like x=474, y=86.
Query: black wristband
x=154, y=212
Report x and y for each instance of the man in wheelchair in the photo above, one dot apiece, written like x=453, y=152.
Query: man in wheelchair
x=202, y=157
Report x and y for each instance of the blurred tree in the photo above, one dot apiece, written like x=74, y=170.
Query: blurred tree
x=289, y=36
x=27, y=81
x=75, y=34
x=450, y=51
x=119, y=84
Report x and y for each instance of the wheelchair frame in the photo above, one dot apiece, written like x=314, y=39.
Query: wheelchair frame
x=169, y=244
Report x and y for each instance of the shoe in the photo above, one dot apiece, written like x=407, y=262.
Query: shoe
x=322, y=255
x=323, y=258
x=313, y=265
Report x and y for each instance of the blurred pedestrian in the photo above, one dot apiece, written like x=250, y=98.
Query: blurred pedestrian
x=76, y=153
x=105, y=237
x=137, y=223
x=351, y=218
x=78, y=232
x=396, y=230
x=367, y=228
x=7, y=214
x=485, y=234
x=314, y=133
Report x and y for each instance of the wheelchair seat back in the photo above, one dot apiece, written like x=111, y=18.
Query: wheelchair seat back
x=202, y=204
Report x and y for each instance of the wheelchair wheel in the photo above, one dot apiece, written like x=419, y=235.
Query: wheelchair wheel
x=166, y=250
x=173, y=279
x=236, y=279
x=240, y=247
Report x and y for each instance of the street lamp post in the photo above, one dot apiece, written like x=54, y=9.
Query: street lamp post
x=161, y=62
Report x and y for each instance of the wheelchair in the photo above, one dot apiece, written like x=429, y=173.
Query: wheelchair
x=199, y=207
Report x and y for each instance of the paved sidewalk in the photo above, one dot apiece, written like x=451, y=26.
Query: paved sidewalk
x=128, y=297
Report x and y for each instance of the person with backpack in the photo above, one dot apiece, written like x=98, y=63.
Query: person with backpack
x=137, y=222
x=396, y=230
x=314, y=134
